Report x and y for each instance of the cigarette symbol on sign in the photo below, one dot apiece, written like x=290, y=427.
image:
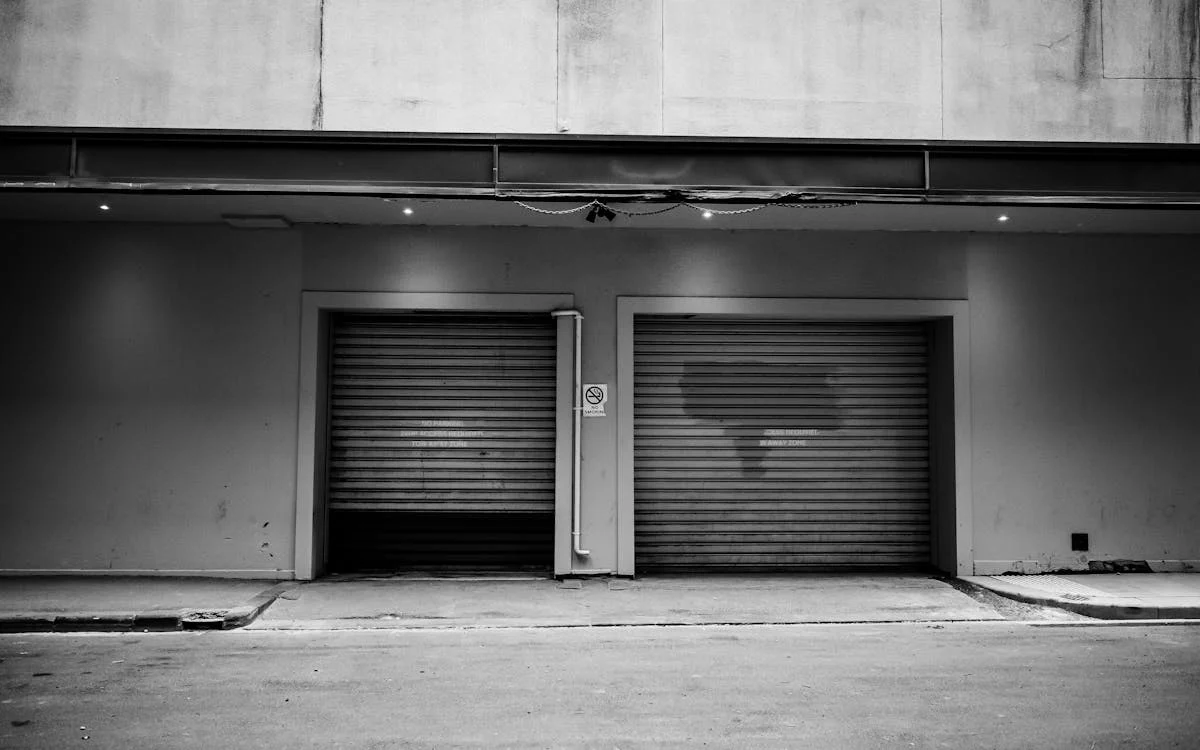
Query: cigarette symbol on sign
x=593, y=395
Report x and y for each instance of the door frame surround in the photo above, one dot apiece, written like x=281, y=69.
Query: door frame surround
x=316, y=309
x=952, y=547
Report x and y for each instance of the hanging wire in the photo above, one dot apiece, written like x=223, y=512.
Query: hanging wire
x=725, y=212
x=655, y=212
x=834, y=204
x=551, y=212
x=598, y=204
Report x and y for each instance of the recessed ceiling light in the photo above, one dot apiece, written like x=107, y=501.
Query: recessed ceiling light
x=707, y=214
x=1002, y=218
x=408, y=211
x=103, y=206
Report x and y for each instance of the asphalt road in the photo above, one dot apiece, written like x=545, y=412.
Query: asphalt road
x=958, y=685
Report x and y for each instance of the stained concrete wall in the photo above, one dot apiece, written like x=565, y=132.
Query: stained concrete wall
x=149, y=398
x=610, y=66
x=449, y=65
x=152, y=64
x=789, y=68
x=150, y=386
x=1069, y=70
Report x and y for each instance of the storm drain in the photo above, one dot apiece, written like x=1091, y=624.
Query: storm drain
x=1056, y=585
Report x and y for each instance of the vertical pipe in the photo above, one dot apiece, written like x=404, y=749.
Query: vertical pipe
x=577, y=414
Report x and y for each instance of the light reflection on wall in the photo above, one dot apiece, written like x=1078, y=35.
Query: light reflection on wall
x=706, y=271
x=124, y=320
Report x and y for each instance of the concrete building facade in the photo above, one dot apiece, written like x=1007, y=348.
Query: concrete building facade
x=171, y=381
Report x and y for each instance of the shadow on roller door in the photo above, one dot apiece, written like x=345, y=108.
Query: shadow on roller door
x=754, y=435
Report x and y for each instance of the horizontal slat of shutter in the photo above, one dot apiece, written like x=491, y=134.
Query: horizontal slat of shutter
x=776, y=445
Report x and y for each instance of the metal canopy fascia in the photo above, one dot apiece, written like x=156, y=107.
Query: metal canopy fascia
x=549, y=167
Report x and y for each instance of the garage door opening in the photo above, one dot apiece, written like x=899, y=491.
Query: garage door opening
x=766, y=445
x=441, y=442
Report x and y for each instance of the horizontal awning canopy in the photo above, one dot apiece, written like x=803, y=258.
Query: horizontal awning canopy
x=552, y=167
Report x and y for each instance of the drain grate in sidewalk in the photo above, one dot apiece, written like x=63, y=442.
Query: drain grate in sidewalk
x=1056, y=585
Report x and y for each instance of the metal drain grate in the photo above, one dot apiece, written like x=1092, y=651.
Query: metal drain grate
x=1058, y=585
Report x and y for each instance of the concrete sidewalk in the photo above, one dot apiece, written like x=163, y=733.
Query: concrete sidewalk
x=1107, y=596
x=128, y=603
x=404, y=603
x=54, y=603
x=41, y=603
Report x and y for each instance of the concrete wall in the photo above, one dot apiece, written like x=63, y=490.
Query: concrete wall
x=149, y=399
x=1072, y=70
x=596, y=266
x=449, y=65
x=152, y=64
x=1085, y=359
x=795, y=68
x=1084, y=419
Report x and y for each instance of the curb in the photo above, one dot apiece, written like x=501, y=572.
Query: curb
x=1111, y=609
x=27, y=624
x=239, y=617
x=150, y=620
x=107, y=622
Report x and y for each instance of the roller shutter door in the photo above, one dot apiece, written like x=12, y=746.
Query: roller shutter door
x=441, y=441
x=780, y=445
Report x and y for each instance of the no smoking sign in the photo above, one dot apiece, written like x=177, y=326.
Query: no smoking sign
x=595, y=395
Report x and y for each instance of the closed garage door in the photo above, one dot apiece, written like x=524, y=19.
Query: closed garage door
x=780, y=445
x=441, y=441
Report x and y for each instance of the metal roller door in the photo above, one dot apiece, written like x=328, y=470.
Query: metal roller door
x=780, y=445
x=441, y=441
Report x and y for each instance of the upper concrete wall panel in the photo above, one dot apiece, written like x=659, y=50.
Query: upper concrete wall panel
x=451, y=65
x=802, y=68
x=1032, y=70
x=146, y=63
x=610, y=66
x=1006, y=70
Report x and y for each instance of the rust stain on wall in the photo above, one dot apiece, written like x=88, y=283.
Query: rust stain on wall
x=37, y=80
x=1071, y=70
x=12, y=17
x=1090, y=61
x=1186, y=28
x=1150, y=38
x=609, y=66
x=1155, y=42
x=318, y=117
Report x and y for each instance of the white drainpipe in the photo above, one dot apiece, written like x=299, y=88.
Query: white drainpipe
x=576, y=417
